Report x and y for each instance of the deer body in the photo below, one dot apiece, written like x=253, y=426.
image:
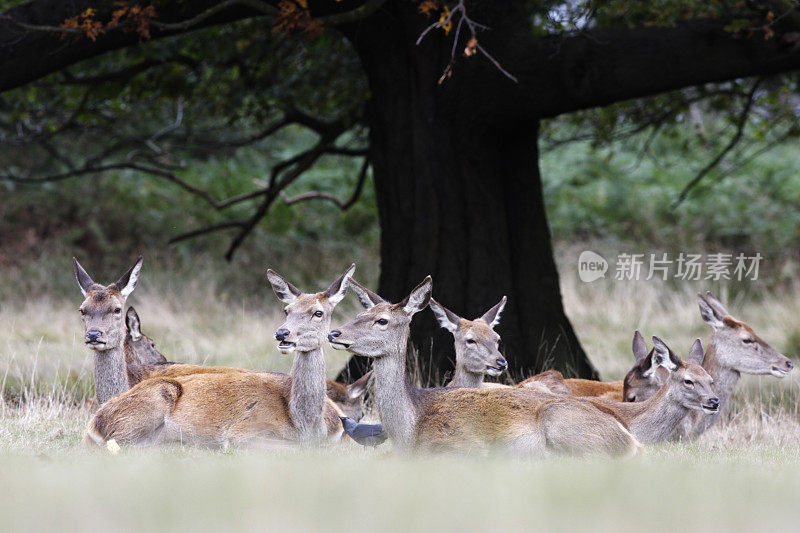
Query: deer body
x=238, y=407
x=575, y=386
x=686, y=389
x=467, y=419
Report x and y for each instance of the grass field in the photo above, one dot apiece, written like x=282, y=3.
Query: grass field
x=743, y=474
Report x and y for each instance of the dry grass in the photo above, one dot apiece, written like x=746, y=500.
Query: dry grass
x=744, y=473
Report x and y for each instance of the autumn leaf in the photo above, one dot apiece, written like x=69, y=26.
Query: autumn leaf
x=294, y=16
x=444, y=17
x=471, y=48
x=426, y=7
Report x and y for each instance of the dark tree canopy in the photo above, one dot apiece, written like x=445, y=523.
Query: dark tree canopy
x=439, y=102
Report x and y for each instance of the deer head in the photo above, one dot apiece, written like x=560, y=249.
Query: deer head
x=101, y=310
x=384, y=327
x=143, y=346
x=476, y=342
x=737, y=346
x=644, y=379
x=689, y=382
x=308, y=316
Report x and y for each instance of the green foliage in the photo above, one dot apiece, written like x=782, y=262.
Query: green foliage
x=618, y=192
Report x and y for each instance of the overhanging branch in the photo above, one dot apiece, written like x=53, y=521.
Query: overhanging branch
x=741, y=122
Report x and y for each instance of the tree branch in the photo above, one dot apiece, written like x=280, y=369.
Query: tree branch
x=320, y=195
x=207, y=229
x=741, y=122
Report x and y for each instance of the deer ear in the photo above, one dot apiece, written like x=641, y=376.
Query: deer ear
x=129, y=279
x=418, y=299
x=133, y=324
x=84, y=281
x=357, y=388
x=335, y=293
x=446, y=318
x=709, y=314
x=285, y=291
x=639, y=346
x=492, y=316
x=696, y=352
x=367, y=298
x=716, y=305
x=663, y=356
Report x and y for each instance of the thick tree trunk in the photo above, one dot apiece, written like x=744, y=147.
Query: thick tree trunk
x=460, y=198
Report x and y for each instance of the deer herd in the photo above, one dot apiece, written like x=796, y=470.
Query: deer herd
x=145, y=400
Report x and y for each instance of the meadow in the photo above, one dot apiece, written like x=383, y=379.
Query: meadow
x=744, y=473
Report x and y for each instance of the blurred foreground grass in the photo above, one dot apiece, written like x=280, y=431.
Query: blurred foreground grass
x=672, y=488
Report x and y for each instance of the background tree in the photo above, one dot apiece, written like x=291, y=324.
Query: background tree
x=440, y=102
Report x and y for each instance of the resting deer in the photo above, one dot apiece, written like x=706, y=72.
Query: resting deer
x=734, y=349
x=686, y=389
x=612, y=390
x=516, y=419
x=476, y=344
x=124, y=359
x=239, y=407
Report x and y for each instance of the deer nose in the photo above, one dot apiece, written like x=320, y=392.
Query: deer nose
x=502, y=364
x=281, y=334
x=713, y=402
x=93, y=335
x=333, y=334
x=789, y=364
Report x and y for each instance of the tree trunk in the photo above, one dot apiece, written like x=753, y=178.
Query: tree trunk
x=460, y=197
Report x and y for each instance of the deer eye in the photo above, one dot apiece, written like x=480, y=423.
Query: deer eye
x=382, y=321
x=82, y=311
x=470, y=341
x=117, y=311
x=688, y=382
x=152, y=345
x=318, y=314
x=748, y=341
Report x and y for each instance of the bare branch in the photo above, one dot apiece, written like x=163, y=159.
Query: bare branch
x=741, y=122
x=459, y=13
x=320, y=195
x=361, y=12
x=257, y=5
x=208, y=229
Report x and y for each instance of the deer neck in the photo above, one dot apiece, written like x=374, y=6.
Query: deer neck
x=307, y=396
x=394, y=395
x=464, y=378
x=657, y=418
x=110, y=373
x=725, y=378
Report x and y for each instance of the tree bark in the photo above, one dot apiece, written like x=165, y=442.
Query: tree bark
x=459, y=197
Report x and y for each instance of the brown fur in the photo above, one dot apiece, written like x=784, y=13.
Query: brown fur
x=205, y=409
x=143, y=361
x=554, y=380
x=520, y=420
